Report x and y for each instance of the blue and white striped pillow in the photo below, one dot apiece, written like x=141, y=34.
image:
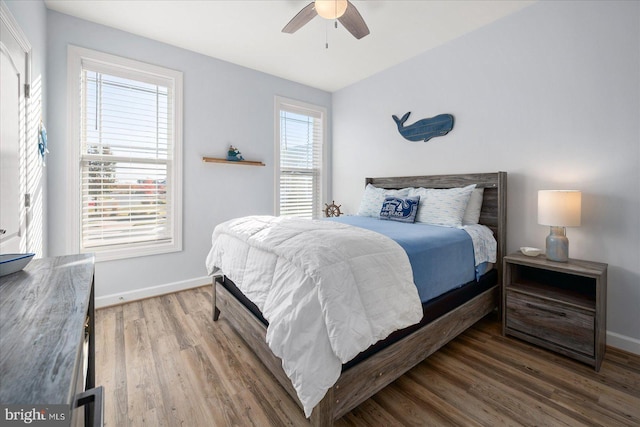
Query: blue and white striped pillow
x=373, y=197
x=442, y=206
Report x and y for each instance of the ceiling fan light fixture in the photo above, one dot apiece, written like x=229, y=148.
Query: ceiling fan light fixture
x=331, y=9
x=342, y=10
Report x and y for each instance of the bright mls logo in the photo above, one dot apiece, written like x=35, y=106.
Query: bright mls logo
x=43, y=416
x=27, y=417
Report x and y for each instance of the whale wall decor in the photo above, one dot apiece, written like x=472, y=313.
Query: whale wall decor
x=425, y=129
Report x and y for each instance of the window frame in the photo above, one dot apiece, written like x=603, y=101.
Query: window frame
x=280, y=104
x=132, y=68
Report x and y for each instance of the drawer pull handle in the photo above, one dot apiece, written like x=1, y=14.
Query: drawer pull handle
x=547, y=309
x=93, y=396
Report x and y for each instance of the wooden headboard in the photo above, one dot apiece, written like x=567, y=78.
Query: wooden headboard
x=494, y=204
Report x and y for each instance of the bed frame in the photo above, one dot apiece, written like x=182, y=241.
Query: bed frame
x=366, y=378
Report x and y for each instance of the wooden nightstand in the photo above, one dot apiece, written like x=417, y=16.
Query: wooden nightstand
x=560, y=306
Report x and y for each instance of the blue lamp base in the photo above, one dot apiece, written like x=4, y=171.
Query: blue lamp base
x=558, y=245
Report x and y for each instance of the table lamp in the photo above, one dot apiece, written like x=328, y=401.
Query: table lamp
x=559, y=209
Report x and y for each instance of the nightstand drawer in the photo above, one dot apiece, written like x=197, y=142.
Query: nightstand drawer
x=563, y=325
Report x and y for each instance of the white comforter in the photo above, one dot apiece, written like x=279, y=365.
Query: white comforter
x=328, y=290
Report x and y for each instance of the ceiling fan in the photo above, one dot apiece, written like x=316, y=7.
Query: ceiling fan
x=342, y=10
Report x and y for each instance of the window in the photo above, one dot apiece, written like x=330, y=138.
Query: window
x=127, y=136
x=300, y=132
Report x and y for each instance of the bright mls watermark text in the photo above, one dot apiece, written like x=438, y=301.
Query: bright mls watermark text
x=35, y=415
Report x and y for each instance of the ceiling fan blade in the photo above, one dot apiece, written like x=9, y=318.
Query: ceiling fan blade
x=298, y=21
x=353, y=22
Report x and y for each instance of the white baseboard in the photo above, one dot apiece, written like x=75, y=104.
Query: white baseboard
x=623, y=342
x=153, y=291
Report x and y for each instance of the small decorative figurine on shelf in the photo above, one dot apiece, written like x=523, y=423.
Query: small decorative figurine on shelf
x=234, y=154
x=332, y=209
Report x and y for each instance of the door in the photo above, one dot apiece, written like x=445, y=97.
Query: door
x=14, y=64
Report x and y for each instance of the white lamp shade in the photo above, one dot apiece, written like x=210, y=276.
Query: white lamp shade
x=559, y=207
x=331, y=9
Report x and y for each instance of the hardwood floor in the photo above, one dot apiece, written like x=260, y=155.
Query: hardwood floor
x=163, y=361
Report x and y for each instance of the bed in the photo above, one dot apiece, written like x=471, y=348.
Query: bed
x=373, y=369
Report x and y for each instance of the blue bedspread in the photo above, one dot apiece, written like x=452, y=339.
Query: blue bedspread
x=441, y=258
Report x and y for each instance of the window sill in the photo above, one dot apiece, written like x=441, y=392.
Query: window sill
x=102, y=254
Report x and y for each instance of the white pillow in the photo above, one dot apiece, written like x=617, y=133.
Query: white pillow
x=472, y=213
x=373, y=198
x=442, y=206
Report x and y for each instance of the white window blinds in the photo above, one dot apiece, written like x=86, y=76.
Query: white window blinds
x=127, y=158
x=301, y=135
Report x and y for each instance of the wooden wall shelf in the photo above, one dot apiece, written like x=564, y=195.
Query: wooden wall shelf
x=241, y=162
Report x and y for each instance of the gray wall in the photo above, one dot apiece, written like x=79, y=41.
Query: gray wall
x=223, y=104
x=551, y=95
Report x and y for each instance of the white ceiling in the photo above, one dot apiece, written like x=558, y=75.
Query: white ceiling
x=247, y=32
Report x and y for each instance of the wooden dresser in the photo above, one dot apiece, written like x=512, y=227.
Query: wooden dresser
x=47, y=344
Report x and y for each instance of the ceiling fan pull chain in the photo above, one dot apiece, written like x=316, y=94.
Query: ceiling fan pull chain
x=326, y=34
x=326, y=37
